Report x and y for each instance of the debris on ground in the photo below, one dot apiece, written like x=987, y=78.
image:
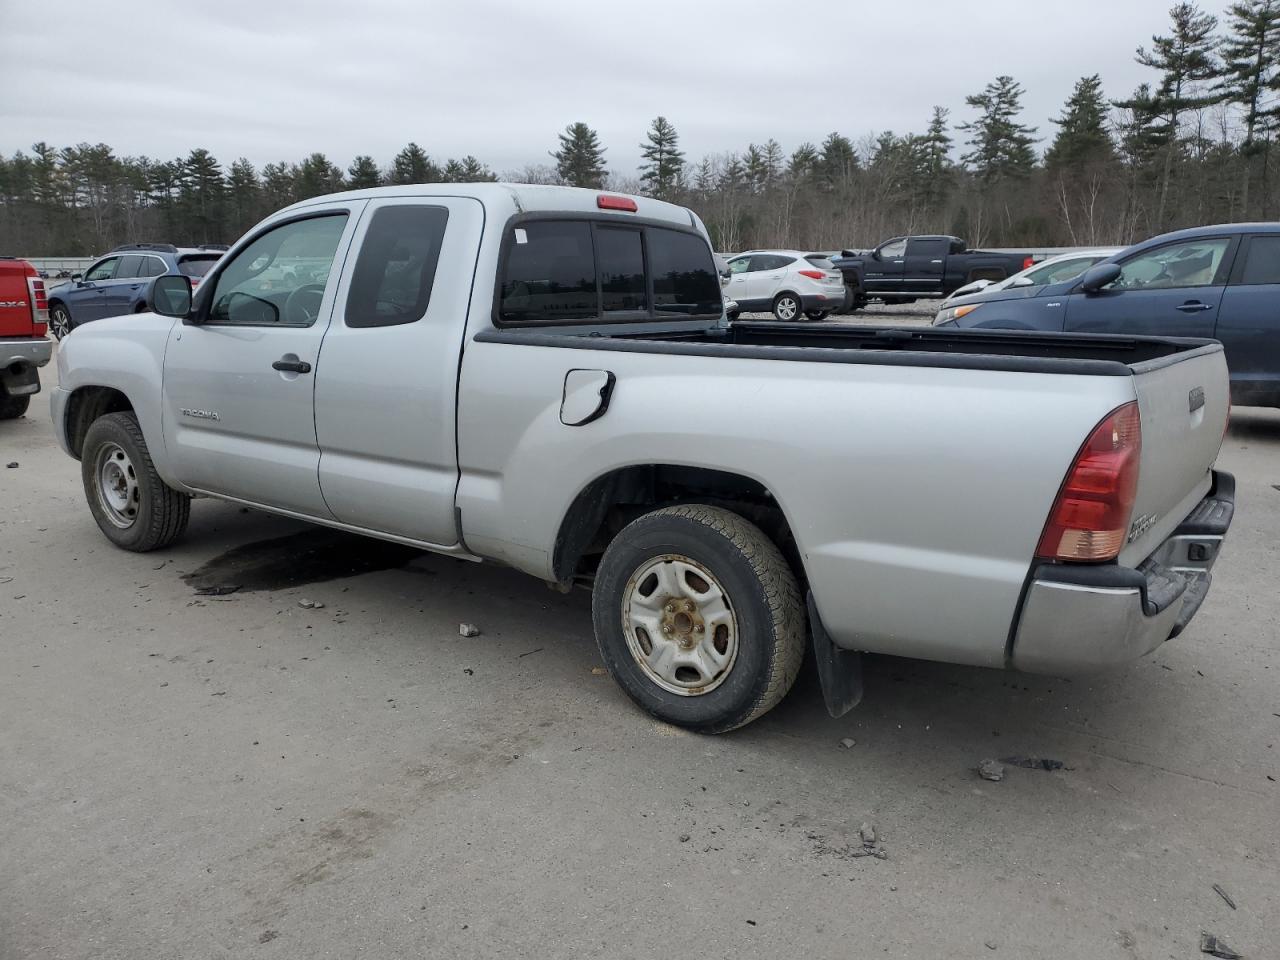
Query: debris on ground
x=219, y=591
x=598, y=671
x=1226, y=897
x=848, y=743
x=12, y=464
x=1033, y=763
x=468, y=630
x=989, y=944
x=468, y=671
x=6, y=579
x=872, y=843
x=991, y=770
x=684, y=838
x=1214, y=946
x=311, y=604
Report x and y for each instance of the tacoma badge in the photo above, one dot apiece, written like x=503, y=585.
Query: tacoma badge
x=201, y=414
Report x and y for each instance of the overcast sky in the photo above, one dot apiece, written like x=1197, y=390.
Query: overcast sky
x=275, y=81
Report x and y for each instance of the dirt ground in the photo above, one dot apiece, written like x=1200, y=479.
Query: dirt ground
x=205, y=776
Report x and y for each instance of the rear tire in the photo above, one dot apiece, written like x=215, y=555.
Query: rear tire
x=11, y=408
x=133, y=507
x=59, y=321
x=816, y=315
x=786, y=307
x=698, y=617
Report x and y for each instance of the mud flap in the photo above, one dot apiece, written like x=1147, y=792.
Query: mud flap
x=839, y=670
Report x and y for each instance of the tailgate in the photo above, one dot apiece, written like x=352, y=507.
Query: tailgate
x=1184, y=400
x=15, y=300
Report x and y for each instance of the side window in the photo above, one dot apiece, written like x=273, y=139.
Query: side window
x=129, y=266
x=767, y=261
x=396, y=268
x=1056, y=272
x=740, y=265
x=684, y=275
x=279, y=278
x=153, y=267
x=894, y=249
x=928, y=248
x=1192, y=263
x=1262, y=260
x=620, y=260
x=550, y=273
x=103, y=270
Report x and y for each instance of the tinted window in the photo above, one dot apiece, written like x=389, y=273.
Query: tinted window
x=280, y=276
x=152, y=267
x=822, y=263
x=397, y=266
x=1192, y=263
x=620, y=258
x=196, y=266
x=684, y=275
x=103, y=270
x=129, y=265
x=1262, y=263
x=769, y=261
x=550, y=273
x=929, y=248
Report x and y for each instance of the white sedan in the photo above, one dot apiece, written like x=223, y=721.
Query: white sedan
x=789, y=283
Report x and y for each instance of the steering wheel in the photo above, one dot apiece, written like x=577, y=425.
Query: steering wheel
x=303, y=304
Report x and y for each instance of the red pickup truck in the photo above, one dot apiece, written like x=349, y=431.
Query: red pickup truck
x=24, y=318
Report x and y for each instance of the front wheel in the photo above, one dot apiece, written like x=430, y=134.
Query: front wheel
x=786, y=307
x=698, y=617
x=131, y=504
x=59, y=321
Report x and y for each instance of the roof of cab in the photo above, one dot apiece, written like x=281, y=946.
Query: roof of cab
x=517, y=198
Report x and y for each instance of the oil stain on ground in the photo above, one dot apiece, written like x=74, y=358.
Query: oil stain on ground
x=311, y=556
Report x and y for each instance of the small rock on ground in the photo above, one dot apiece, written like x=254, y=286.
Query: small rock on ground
x=848, y=743
x=468, y=630
x=991, y=770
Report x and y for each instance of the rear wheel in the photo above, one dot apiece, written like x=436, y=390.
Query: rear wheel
x=59, y=321
x=131, y=504
x=786, y=307
x=698, y=617
x=12, y=407
x=816, y=315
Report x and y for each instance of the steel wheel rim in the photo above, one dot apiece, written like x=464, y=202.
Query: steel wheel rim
x=679, y=624
x=117, y=485
x=59, y=321
x=787, y=308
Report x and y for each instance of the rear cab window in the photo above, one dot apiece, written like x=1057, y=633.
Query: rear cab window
x=196, y=265
x=581, y=270
x=396, y=268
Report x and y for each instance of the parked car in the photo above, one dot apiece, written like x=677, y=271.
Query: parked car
x=24, y=313
x=542, y=377
x=1218, y=281
x=731, y=308
x=1053, y=270
x=121, y=282
x=789, y=283
x=905, y=269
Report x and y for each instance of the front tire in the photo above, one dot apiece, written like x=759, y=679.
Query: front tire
x=11, y=408
x=133, y=507
x=698, y=617
x=59, y=321
x=786, y=307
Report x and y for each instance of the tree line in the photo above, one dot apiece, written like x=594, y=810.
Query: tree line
x=1194, y=145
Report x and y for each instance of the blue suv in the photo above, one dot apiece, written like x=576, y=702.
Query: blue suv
x=1220, y=282
x=121, y=282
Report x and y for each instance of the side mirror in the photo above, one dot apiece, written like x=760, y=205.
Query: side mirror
x=77, y=277
x=171, y=296
x=1097, y=277
x=875, y=254
x=1023, y=282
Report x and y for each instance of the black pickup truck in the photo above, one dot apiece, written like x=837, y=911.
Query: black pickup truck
x=909, y=268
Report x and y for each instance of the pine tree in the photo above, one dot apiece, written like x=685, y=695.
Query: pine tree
x=244, y=196
x=839, y=160
x=200, y=197
x=317, y=176
x=580, y=159
x=412, y=165
x=663, y=169
x=363, y=173
x=473, y=171
x=1250, y=69
x=1001, y=145
x=279, y=185
x=804, y=162
x=1185, y=60
x=1082, y=129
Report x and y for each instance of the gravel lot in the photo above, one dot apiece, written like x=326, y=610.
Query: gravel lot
x=238, y=776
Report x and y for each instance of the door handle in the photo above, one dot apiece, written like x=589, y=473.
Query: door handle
x=292, y=366
x=1195, y=307
x=935, y=261
x=899, y=261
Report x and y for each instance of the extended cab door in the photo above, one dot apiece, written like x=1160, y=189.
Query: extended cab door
x=386, y=384
x=882, y=268
x=119, y=292
x=1172, y=290
x=238, y=413
x=926, y=259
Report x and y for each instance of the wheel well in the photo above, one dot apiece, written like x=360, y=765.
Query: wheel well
x=610, y=502
x=86, y=405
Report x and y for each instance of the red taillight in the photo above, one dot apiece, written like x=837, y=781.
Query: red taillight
x=812, y=274
x=39, y=303
x=1090, y=518
x=606, y=202
x=1027, y=262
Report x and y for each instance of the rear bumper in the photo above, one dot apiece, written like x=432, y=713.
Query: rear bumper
x=815, y=302
x=1079, y=619
x=19, y=358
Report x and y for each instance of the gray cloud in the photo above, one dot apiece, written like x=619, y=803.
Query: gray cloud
x=275, y=81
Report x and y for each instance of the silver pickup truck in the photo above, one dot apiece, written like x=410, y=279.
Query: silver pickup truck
x=544, y=377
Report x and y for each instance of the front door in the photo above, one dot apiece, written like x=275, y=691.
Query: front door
x=1169, y=291
x=882, y=269
x=239, y=416
x=388, y=447
x=86, y=297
